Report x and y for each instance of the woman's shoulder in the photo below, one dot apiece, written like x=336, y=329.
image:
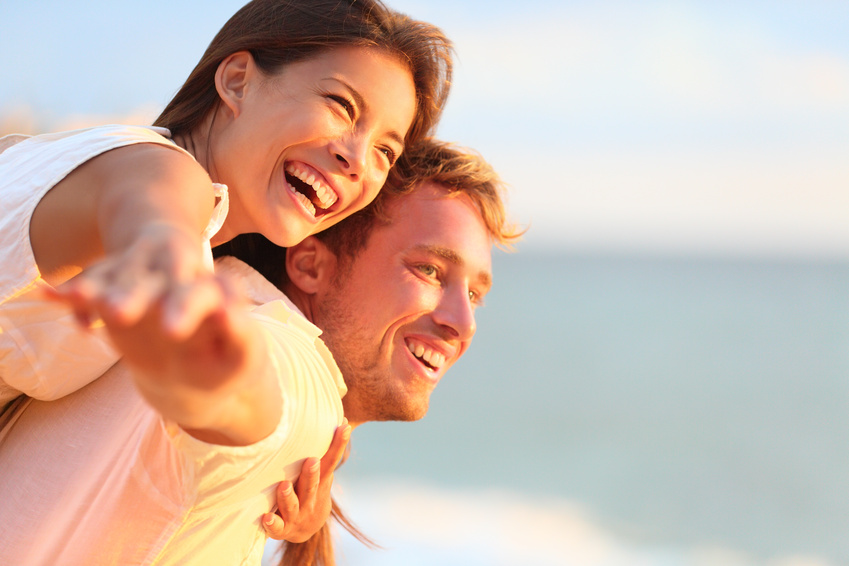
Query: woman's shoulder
x=69, y=149
x=108, y=133
x=142, y=153
x=9, y=140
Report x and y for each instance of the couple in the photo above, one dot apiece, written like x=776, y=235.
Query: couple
x=393, y=290
x=291, y=122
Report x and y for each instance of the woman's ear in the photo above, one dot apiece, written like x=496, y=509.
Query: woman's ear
x=310, y=265
x=232, y=79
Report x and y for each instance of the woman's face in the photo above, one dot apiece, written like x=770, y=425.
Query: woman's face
x=311, y=145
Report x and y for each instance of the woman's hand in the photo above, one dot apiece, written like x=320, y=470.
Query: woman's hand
x=220, y=384
x=158, y=267
x=302, y=511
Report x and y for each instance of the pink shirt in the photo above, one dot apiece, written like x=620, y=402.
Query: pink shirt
x=98, y=477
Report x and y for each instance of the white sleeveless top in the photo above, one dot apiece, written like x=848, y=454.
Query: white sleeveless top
x=43, y=353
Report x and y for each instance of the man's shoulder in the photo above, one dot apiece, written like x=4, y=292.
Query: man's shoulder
x=249, y=282
x=285, y=325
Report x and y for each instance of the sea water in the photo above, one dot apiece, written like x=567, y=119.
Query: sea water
x=625, y=410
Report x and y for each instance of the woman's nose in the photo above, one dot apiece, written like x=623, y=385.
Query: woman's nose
x=352, y=157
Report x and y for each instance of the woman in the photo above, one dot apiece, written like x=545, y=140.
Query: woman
x=299, y=108
x=290, y=122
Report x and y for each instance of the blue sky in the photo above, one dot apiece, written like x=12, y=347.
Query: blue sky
x=659, y=126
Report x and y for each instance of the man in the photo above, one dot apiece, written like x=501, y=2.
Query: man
x=101, y=476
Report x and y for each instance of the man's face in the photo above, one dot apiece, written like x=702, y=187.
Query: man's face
x=399, y=315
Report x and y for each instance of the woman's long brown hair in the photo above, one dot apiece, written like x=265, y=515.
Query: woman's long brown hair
x=279, y=32
x=318, y=550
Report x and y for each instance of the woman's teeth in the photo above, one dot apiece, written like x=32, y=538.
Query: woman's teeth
x=303, y=199
x=324, y=195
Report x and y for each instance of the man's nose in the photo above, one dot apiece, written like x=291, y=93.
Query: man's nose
x=456, y=313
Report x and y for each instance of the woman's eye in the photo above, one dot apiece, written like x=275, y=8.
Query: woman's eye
x=390, y=155
x=346, y=104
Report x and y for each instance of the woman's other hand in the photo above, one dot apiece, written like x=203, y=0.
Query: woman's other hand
x=303, y=510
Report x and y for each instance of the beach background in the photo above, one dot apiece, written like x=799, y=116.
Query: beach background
x=661, y=372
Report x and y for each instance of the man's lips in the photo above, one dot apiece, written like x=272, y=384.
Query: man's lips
x=429, y=356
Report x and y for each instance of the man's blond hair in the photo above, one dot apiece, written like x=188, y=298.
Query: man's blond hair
x=460, y=171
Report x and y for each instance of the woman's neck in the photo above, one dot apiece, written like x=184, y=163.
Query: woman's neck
x=198, y=143
x=190, y=143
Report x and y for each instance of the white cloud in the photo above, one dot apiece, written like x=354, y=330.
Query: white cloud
x=809, y=80
x=728, y=202
x=662, y=126
x=650, y=56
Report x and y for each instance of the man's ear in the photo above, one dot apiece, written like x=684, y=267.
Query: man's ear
x=310, y=265
x=232, y=79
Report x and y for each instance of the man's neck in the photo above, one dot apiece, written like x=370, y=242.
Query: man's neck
x=300, y=301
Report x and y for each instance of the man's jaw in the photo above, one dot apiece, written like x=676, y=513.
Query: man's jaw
x=404, y=388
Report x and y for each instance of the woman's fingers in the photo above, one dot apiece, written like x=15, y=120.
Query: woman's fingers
x=130, y=290
x=303, y=510
x=84, y=293
x=337, y=448
x=278, y=525
x=124, y=286
x=186, y=307
x=296, y=519
x=307, y=486
x=274, y=526
x=287, y=502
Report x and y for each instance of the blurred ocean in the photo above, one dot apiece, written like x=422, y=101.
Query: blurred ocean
x=625, y=411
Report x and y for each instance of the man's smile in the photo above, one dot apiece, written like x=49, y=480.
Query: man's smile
x=429, y=356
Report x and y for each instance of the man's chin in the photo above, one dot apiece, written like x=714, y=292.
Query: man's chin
x=417, y=408
x=408, y=413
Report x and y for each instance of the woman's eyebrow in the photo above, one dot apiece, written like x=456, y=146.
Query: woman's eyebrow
x=363, y=106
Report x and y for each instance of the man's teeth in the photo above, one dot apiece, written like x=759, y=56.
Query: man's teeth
x=302, y=199
x=432, y=357
x=325, y=195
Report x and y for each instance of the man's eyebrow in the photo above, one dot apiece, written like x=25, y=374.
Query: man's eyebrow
x=363, y=105
x=452, y=256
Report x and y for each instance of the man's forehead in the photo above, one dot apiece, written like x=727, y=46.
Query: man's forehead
x=448, y=225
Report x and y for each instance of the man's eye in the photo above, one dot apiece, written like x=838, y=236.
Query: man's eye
x=427, y=270
x=475, y=298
